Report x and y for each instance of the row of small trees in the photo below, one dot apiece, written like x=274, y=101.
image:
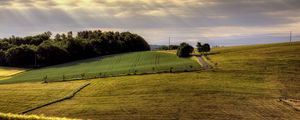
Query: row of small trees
x=184, y=49
x=42, y=50
x=170, y=47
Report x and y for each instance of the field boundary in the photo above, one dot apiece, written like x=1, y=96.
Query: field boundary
x=69, y=96
x=204, y=63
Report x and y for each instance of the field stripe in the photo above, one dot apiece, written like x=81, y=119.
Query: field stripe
x=69, y=96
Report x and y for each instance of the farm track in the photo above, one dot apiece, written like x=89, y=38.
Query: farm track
x=205, y=65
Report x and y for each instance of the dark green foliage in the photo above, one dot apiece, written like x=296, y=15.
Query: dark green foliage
x=23, y=55
x=64, y=48
x=171, y=47
x=5, y=45
x=206, y=47
x=29, y=40
x=184, y=50
x=2, y=58
x=203, y=48
x=50, y=54
x=199, y=47
x=57, y=37
x=75, y=48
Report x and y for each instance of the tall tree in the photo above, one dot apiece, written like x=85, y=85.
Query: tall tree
x=2, y=58
x=184, y=50
x=206, y=47
x=199, y=47
x=57, y=37
x=70, y=35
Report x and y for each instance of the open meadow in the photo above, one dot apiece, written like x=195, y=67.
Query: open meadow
x=113, y=65
x=246, y=83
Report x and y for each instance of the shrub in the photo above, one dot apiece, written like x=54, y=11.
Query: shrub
x=184, y=50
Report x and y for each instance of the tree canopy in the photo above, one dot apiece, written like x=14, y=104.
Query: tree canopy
x=184, y=50
x=203, y=48
x=42, y=50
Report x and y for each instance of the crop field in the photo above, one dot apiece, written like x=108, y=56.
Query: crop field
x=16, y=98
x=113, y=65
x=245, y=84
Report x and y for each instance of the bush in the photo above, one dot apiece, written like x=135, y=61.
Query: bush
x=206, y=47
x=184, y=50
x=203, y=48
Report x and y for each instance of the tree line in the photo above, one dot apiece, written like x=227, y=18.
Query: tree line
x=42, y=50
x=170, y=47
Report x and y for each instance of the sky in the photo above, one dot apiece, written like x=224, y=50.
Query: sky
x=218, y=22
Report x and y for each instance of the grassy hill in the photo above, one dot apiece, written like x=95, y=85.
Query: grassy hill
x=9, y=71
x=16, y=98
x=246, y=83
x=113, y=65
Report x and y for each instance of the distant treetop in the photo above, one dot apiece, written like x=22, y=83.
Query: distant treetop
x=42, y=50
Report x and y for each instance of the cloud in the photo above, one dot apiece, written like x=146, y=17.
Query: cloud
x=209, y=18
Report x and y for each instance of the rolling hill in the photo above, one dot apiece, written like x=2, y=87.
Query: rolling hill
x=113, y=65
x=247, y=82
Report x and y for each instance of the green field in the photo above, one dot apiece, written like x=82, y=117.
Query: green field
x=16, y=98
x=9, y=71
x=113, y=65
x=246, y=83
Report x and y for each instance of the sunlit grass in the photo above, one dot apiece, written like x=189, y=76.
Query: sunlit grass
x=113, y=65
x=246, y=84
x=9, y=71
x=16, y=98
x=9, y=116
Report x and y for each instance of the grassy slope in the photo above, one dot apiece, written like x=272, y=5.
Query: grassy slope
x=15, y=98
x=279, y=62
x=246, y=84
x=9, y=71
x=140, y=62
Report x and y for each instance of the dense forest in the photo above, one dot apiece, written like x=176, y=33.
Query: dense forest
x=43, y=50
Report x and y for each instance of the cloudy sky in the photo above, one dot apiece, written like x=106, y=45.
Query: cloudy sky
x=219, y=22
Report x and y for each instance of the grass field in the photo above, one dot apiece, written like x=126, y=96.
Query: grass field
x=246, y=83
x=9, y=116
x=16, y=98
x=114, y=65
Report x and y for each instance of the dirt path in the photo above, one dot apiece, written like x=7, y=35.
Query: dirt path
x=205, y=65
